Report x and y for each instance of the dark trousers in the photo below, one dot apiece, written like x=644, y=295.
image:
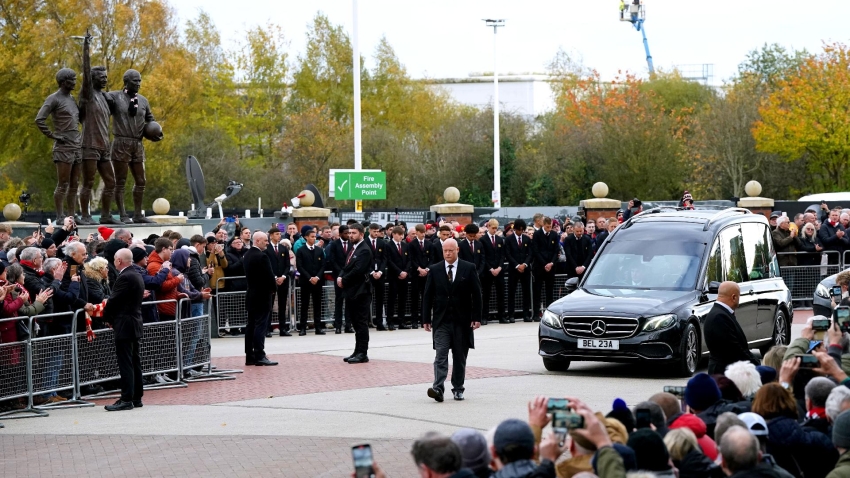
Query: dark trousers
x=547, y=280
x=130, y=367
x=396, y=301
x=378, y=291
x=310, y=293
x=259, y=316
x=450, y=336
x=339, y=313
x=523, y=280
x=282, y=294
x=417, y=288
x=488, y=281
x=358, y=307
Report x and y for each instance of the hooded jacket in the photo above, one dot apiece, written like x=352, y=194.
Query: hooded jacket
x=696, y=425
x=792, y=446
x=168, y=289
x=527, y=469
x=697, y=465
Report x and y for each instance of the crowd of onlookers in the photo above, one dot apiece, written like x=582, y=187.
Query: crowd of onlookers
x=810, y=234
x=779, y=419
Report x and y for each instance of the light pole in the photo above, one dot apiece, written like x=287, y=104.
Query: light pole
x=497, y=162
x=355, y=47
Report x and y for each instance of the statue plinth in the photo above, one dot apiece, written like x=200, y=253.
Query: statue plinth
x=311, y=216
x=462, y=213
x=757, y=205
x=166, y=219
x=600, y=207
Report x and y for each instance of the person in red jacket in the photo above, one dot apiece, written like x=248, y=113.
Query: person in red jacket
x=696, y=425
x=157, y=260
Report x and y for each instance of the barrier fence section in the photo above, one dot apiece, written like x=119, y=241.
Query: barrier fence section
x=196, y=357
x=230, y=310
x=802, y=280
x=55, y=359
x=16, y=369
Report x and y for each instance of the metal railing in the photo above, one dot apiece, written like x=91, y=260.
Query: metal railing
x=231, y=313
x=802, y=280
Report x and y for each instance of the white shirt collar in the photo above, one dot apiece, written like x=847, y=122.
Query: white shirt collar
x=453, y=264
x=725, y=307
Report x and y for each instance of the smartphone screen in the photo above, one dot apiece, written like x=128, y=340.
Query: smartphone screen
x=556, y=404
x=643, y=418
x=362, y=456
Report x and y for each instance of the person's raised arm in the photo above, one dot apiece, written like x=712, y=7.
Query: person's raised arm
x=87, y=90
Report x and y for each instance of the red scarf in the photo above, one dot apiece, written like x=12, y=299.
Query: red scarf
x=816, y=412
x=32, y=266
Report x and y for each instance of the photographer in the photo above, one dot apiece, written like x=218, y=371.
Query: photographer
x=635, y=207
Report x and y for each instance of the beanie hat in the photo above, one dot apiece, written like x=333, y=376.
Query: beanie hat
x=473, y=448
x=702, y=392
x=138, y=254
x=687, y=197
x=105, y=232
x=305, y=229
x=767, y=374
x=513, y=432
x=183, y=242
x=841, y=431
x=622, y=413
x=47, y=242
x=650, y=451
x=626, y=453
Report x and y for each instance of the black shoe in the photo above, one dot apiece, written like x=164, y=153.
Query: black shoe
x=503, y=321
x=265, y=362
x=483, y=322
x=250, y=362
x=338, y=331
x=458, y=395
x=320, y=331
x=119, y=406
x=391, y=328
x=285, y=333
x=404, y=327
x=138, y=404
x=359, y=358
x=526, y=319
x=435, y=394
x=537, y=319
x=346, y=359
x=415, y=326
x=302, y=332
x=349, y=330
x=268, y=335
x=381, y=328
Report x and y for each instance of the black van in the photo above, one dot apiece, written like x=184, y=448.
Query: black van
x=647, y=292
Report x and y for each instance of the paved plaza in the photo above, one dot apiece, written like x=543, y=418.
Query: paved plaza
x=300, y=418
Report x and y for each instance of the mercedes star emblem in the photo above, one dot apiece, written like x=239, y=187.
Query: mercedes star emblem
x=597, y=327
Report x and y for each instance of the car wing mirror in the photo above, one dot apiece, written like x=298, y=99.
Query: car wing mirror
x=572, y=284
x=713, y=288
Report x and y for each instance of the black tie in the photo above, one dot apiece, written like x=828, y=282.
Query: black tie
x=451, y=277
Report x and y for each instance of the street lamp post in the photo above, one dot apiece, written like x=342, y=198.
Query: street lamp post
x=497, y=162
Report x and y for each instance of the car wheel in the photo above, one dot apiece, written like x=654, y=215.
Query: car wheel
x=780, y=334
x=556, y=365
x=689, y=353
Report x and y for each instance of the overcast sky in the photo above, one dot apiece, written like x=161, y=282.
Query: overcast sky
x=447, y=39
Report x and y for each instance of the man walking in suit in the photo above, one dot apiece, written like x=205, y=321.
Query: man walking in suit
x=519, y=270
x=493, y=248
x=310, y=264
x=544, y=246
x=336, y=253
x=258, y=299
x=579, y=251
x=123, y=310
x=354, y=283
x=453, y=295
x=279, y=258
x=377, y=272
x=726, y=341
x=419, y=250
x=398, y=271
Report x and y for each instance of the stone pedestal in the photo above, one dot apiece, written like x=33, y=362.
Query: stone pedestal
x=600, y=207
x=165, y=219
x=311, y=216
x=462, y=213
x=757, y=205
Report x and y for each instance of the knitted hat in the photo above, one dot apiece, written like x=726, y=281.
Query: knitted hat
x=767, y=374
x=650, y=451
x=841, y=431
x=473, y=448
x=305, y=229
x=622, y=413
x=701, y=392
x=138, y=254
x=105, y=232
x=47, y=242
x=687, y=197
x=513, y=432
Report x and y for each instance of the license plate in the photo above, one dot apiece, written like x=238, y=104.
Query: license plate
x=599, y=344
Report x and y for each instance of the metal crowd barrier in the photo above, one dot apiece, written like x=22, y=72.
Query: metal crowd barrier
x=195, y=349
x=16, y=370
x=231, y=312
x=55, y=360
x=802, y=280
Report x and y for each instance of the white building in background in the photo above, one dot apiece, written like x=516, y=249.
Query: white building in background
x=527, y=95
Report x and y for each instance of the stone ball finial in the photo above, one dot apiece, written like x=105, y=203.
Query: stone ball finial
x=600, y=190
x=753, y=189
x=161, y=206
x=12, y=212
x=308, y=199
x=451, y=194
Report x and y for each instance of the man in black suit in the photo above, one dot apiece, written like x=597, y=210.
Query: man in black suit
x=309, y=260
x=833, y=237
x=378, y=272
x=544, y=246
x=453, y=294
x=437, y=245
x=123, y=311
x=354, y=283
x=258, y=299
x=579, y=251
x=520, y=258
x=419, y=250
x=279, y=258
x=398, y=278
x=469, y=250
x=724, y=337
x=493, y=247
x=335, y=254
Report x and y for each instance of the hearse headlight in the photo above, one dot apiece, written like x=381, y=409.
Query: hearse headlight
x=659, y=322
x=552, y=320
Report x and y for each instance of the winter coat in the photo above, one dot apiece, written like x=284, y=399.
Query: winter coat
x=798, y=450
x=235, y=269
x=697, y=465
x=842, y=468
x=696, y=425
x=709, y=416
x=527, y=469
x=783, y=242
x=168, y=290
x=761, y=471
